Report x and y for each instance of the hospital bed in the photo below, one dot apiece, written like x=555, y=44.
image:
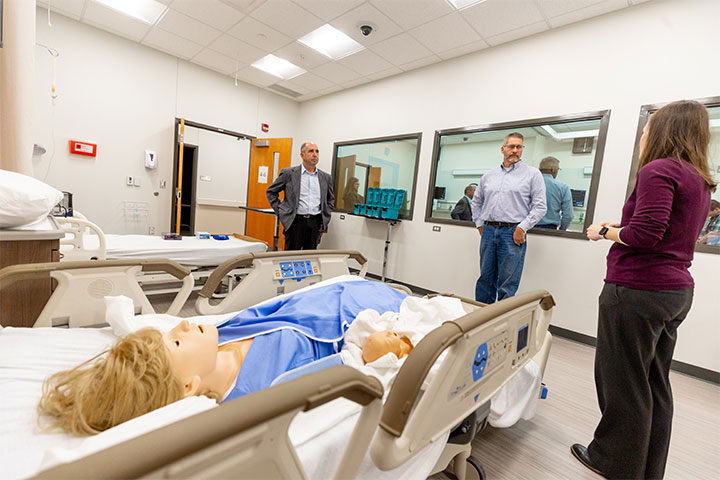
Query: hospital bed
x=84, y=240
x=482, y=350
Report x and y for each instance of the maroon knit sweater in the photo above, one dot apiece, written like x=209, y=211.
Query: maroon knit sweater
x=661, y=222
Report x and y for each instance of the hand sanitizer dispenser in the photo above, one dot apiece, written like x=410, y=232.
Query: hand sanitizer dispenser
x=150, y=159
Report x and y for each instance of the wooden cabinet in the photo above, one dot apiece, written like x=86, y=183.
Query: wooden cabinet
x=22, y=302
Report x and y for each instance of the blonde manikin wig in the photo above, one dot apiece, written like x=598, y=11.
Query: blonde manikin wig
x=133, y=377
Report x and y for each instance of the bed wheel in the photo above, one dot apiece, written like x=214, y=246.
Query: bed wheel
x=474, y=470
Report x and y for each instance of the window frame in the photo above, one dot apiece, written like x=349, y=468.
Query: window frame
x=645, y=112
x=367, y=141
x=602, y=115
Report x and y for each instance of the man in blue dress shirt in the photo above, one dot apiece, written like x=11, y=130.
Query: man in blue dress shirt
x=508, y=201
x=559, y=213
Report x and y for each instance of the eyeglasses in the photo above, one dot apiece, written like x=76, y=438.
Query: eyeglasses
x=514, y=147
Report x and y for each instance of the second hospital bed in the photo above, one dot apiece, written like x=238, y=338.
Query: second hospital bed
x=500, y=338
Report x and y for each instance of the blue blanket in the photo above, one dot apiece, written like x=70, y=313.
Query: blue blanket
x=301, y=328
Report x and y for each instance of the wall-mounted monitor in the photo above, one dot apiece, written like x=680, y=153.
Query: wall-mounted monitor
x=578, y=197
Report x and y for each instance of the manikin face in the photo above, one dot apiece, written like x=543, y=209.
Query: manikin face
x=310, y=157
x=512, y=151
x=193, y=350
x=384, y=342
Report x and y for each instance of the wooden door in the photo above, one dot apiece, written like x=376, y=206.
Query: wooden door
x=374, y=177
x=265, y=165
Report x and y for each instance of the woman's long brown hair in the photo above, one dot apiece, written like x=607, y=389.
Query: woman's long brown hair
x=680, y=130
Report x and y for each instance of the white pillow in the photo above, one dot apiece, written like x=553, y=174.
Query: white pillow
x=24, y=199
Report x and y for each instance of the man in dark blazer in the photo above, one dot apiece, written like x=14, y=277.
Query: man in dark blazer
x=309, y=200
x=463, y=209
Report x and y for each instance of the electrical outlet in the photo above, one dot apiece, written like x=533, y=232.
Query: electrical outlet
x=151, y=230
x=129, y=180
x=436, y=228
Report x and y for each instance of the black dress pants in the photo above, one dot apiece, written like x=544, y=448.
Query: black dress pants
x=637, y=330
x=304, y=233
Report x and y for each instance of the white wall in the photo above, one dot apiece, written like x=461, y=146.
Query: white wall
x=658, y=51
x=125, y=97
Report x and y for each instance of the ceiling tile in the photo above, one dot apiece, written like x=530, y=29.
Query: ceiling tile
x=216, y=61
x=355, y=83
x=465, y=49
x=245, y=6
x=366, y=14
x=328, y=9
x=637, y=2
x=335, y=72
x=385, y=73
x=401, y=49
x=312, y=82
x=301, y=56
x=69, y=8
x=259, y=35
x=294, y=86
x=287, y=17
x=412, y=14
x=420, y=63
x=309, y=96
x=329, y=90
x=112, y=21
x=447, y=32
x=493, y=17
x=210, y=12
x=365, y=62
x=256, y=77
x=186, y=27
x=237, y=49
x=171, y=43
x=525, y=31
x=553, y=8
x=585, y=13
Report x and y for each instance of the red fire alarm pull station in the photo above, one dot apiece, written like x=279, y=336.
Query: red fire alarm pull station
x=265, y=127
x=83, y=148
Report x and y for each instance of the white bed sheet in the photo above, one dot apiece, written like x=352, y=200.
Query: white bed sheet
x=189, y=251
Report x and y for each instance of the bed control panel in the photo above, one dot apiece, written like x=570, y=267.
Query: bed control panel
x=297, y=270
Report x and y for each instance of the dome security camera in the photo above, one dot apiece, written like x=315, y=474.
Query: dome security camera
x=366, y=30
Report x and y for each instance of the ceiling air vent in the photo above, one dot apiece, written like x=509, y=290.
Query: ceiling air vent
x=284, y=91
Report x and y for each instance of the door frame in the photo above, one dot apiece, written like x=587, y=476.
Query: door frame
x=176, y=159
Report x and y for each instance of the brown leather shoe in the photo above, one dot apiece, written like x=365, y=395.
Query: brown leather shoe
x=580, y=452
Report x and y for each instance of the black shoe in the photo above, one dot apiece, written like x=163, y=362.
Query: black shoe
x=580, y=452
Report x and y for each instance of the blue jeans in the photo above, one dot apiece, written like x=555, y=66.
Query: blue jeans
x=501, y=264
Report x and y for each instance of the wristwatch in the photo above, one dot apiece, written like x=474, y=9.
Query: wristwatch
x=603, y=231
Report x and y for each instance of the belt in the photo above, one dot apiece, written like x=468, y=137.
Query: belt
x=500, y=224
x=309, y=216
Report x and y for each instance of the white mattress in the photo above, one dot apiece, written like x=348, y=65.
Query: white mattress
x=189, y=251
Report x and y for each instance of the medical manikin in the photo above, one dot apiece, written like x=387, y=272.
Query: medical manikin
x=147, y=369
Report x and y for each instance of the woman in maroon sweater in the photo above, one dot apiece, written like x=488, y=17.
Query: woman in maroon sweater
x=647, y=294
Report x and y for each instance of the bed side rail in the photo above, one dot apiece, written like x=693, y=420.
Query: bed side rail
x=484, y=349
x=268, y=279
x=75, y=229
x=78, y=299
x=244, y=438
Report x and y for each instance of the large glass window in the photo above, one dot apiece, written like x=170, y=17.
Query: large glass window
x=386, y=163
x=568, y=149
x=709, y=240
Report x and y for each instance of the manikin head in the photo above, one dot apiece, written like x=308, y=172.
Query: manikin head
x=384, y=342
x=193, y=351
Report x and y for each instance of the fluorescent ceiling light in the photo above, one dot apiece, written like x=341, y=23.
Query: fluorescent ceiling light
x=460, y=4
x=148, y=11
x=331, y=42
x=278, y=67
x=715, y=123
x=566, y=135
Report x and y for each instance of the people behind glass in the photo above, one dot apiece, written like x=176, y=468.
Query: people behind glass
x=463, y=208
x=711, y=231
x=559, y=213
x=350, y=194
